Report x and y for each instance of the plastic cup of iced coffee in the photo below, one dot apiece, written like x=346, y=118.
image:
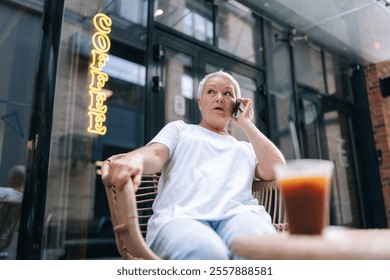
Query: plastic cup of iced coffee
x=305, y=185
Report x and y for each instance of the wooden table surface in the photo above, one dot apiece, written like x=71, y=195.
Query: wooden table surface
x=335, y=243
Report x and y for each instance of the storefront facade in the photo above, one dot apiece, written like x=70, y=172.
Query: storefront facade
x=83, y=80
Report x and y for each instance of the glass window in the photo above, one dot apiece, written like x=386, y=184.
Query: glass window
x=134, y=11
x=344, y=193
x=98, y=112
x=19, y=61
x=308, y=66
x=239, y=31
x=280, y=92
x=193, y=18
x=179, y=69
x=337, y=77
x=331, y=74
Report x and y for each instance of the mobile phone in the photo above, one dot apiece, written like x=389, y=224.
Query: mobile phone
x=235, y=108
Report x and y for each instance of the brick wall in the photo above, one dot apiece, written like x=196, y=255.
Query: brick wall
x=380, y=117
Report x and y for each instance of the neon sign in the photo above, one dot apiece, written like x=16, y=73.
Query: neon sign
x=100, y=46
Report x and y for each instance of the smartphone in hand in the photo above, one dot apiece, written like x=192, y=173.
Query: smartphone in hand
x=235, y=108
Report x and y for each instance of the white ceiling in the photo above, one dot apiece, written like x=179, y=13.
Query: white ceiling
x=357, y=28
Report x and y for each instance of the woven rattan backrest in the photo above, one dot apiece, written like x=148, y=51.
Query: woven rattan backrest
x=145, y=195
x=269, y=195
x=266, y=192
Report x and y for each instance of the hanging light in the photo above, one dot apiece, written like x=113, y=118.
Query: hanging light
x=158, y=12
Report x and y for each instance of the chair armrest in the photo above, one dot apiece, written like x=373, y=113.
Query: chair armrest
x=123, y=209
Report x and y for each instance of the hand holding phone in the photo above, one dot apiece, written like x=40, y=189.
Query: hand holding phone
x=236, y=108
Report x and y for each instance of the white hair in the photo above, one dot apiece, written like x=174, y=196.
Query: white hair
x=219, y=73
x=16, y=176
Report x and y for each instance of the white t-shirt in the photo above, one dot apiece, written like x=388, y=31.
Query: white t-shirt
x=207, y=177
x=9, y=194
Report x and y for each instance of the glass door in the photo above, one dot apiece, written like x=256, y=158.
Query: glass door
x=179, y=86
x=325, y=133
x=179, y=70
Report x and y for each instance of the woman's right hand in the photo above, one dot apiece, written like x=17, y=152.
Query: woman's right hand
x=132, y=165
x=127, y=167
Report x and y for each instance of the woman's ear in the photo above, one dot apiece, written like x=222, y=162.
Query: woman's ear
x=199, y=103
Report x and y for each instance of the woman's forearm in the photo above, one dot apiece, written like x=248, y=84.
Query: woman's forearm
x=266, y=152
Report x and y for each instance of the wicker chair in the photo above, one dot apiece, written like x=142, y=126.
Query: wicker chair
x=131, y=210
x=9, y=218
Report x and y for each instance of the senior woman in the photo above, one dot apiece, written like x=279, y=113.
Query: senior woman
x=204, y=196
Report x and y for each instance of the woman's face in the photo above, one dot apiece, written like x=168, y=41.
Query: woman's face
x=217, y=100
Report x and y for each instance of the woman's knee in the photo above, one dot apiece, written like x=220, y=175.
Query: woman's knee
x=244, y=224
x=187, y=240
x=201, y=248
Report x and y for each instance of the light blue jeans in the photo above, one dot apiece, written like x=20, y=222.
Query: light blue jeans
x=190, y=239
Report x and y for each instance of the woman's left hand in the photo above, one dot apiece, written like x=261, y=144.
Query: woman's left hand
x=246, y=113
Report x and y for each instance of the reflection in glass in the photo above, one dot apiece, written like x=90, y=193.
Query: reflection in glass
x=77, y=222
x=193, y=18
x=331, y=74
x=19, y=61
x=308, y=66
x=280, y=92
x=311, y=136
x=133, y=11
x=125, y=70
x=344, y=197
x=337, y=77
x=179, y=86
x=238, y=31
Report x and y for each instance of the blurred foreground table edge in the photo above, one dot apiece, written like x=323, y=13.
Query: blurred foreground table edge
x=336, y=243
